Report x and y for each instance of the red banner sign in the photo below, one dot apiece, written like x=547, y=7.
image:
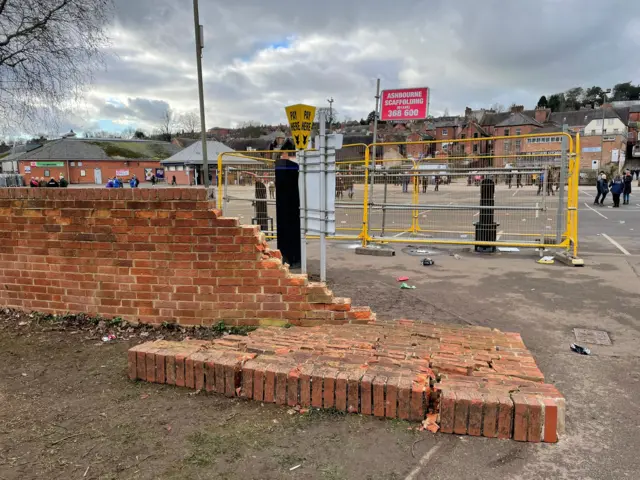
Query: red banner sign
x=404, y=104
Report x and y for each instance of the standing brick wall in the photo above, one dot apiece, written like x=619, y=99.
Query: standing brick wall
x=150, y=256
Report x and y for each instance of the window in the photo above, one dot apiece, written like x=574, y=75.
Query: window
x=445, y=132
x=593, y=132
x=463, y=135
x=475, y=135
x=518, y=146
x=610, y=121
x=180, y=168
x=518, y=131
x=507, y=146
x=615, y=130
x=79, y=164
x=172, y=168
x=506, y=132
x=475, y=148
x=73, y=164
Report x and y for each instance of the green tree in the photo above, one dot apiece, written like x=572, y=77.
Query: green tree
x=626, y=91
x=542, y=103
x=573, y=98
x=371, y=117
x=557, y=102
x=593, y=96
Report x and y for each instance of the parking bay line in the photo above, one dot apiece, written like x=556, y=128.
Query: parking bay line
x=616, y=244
x=591, y=208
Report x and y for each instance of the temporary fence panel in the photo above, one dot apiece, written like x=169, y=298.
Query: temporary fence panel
x=487, y=200
x=239, y=197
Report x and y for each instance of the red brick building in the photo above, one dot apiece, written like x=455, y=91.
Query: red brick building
x=94, y=161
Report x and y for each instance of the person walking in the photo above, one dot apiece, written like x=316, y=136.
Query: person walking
x=436, y=182
x=627, y=187
x=540, y=183
x=405, y=183
x=518, y=180
x=550, y=180
x=617, y=187
x=425, y=182
x=603, y=189
x=173, y=181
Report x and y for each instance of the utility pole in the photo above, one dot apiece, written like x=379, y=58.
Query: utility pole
x=199, y=30
x=604, y=93
x=330, y=100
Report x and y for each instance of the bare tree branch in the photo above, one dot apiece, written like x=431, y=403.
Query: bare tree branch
x=49, y=50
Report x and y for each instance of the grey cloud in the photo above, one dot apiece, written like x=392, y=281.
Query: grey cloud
x=469, y=53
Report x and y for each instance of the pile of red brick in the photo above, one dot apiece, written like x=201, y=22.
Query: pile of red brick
x=150, y=256
x=478, y=381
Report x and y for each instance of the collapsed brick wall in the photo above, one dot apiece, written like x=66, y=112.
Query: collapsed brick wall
x=151, y=256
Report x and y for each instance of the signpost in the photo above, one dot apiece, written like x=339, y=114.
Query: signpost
x=300, y=120
x=404, y=104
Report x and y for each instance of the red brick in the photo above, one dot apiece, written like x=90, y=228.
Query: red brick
x=490, y=416
x=404, y=398
x=520, y=418
x=353, y=391
x=170, y=369
x=550, y=420
x=247, y=380
x=317, y=379
x=258, y=383
x=219, y=386
x=391, y=400
x=366, y=394
x=341, y=391
x=281, y=385
x=447, y=411
x=505, y=417
x=189, y=374
x=141, y=365
x=475, y=414
x=328, y=399
x=209, y=372
x=305, y=386
x=270, y=385
x=418, y=395
x=536, y=419
x=292, y=387
x=180, y=370
x=461, y=416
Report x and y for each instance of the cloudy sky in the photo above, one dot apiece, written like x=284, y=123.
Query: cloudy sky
x=262, y=55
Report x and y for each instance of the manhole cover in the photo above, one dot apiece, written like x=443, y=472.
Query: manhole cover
x=598, y=337
x=421, y=251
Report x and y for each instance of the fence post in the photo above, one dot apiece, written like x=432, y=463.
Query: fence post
x=365, y=201
x=560, y=214
x=303, y=212
x=384, y=202
x=226, y=189
x=416, y=200
x=576, y=181
x=220, y=195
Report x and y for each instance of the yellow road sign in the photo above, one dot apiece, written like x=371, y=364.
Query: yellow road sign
x=300, y=120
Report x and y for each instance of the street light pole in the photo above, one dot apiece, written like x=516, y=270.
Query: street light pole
x=199, y=31
x=604, y=101
x=330, y=100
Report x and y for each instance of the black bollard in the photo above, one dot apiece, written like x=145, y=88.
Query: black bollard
x=486, y=227
x=261, y=217
x=288, y=211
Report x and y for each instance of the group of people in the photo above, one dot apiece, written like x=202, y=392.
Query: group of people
x=620, y=185
x=115, y=182
x=42, y=182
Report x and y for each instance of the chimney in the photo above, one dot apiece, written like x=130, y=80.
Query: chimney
x=541, y=114
x=517, y=108
x=467, y=112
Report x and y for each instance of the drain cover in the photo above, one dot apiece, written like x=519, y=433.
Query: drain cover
x=598, y=337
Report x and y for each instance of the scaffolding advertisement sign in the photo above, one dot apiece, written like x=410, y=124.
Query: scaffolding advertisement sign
x=404, y=104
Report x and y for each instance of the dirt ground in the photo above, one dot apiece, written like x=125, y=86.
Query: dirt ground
x=68, y=410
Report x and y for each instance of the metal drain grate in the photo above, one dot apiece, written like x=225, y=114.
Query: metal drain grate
x=598, y=337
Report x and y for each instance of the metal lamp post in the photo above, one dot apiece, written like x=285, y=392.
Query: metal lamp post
x=199, y=31
x=604, y=101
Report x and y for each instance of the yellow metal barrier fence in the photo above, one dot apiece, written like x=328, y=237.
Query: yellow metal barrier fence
x=531, y=205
